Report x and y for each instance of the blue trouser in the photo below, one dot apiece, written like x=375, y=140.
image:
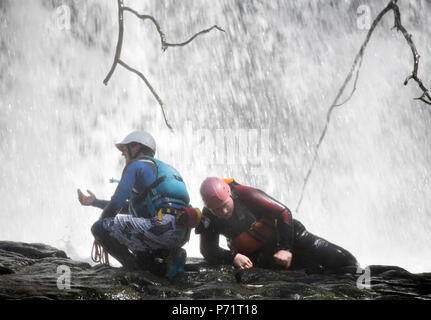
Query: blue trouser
x=124, y=234
x=113, y=246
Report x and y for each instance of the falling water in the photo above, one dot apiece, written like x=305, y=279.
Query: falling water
x=267, y=81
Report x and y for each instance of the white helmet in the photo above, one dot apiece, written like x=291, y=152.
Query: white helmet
x=141, y=137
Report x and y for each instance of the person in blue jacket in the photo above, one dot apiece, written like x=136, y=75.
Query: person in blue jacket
x=155, y=197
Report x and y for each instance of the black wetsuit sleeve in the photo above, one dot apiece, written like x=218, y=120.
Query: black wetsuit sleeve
x=210, y=249
x=265, y=206
x=209, y=241
x=285, y=233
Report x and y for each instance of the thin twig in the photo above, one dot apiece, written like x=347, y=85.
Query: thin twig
x=193, y=37
x=165, y=45
x=354, y=84
x=119, y=42
x=125, y=65
x=144, y=17
x=358, y=61
x=425, y=92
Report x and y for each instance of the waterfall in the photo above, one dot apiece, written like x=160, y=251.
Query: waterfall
x=248, y=103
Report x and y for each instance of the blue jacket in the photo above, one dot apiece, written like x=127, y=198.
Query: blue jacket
x=137, y=177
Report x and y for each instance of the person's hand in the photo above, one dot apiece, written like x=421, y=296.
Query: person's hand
x=86, y=200
x=241, y=261
x=283, y=257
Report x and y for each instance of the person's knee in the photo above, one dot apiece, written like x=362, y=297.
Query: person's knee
x=98, y=230
x=342, y=258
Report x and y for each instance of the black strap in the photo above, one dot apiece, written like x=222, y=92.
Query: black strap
x=179, y=178
x=144, y=194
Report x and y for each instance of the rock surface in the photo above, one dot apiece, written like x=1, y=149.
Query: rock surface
x=38, y=271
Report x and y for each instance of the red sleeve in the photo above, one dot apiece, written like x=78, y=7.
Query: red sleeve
x=265, y=206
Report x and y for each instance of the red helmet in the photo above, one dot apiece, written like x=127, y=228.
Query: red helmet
x=214, y=192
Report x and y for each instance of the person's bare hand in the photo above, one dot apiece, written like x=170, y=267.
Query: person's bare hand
x=283, y=257
x=243, y=262
x=86, y=200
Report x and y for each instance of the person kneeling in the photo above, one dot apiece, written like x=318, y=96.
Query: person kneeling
x=261, y=232
x=156, y=198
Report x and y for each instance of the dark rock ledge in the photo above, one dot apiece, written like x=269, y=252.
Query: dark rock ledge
x=35, y=271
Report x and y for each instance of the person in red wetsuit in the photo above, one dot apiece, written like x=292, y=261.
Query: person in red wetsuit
x=261, y=232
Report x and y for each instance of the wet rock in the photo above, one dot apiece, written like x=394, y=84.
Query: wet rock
x=37, y=271
x=33, y=250
x=4, y=270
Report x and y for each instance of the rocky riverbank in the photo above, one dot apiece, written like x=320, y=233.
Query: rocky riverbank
x=38, y=271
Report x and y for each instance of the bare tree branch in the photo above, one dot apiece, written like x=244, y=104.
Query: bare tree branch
x=165, y=45
x=119, y=42
x=392, y=5
x=120, y=62
x=354, y=84
x=425, y=92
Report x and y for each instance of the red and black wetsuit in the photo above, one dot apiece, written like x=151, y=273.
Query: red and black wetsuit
x=252, y=207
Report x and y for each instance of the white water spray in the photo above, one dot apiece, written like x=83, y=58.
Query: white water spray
x=268, y=81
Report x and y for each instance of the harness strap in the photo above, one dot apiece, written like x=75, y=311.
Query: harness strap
x=144, y=194
x=186, y=217
x=172, y=211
